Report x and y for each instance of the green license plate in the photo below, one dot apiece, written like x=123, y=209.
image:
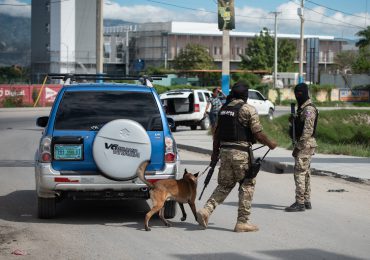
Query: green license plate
x=68, y=152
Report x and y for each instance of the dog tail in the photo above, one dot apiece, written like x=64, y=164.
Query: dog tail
x=140, y=173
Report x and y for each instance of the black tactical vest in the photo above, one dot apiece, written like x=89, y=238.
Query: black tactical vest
x=230, y=129
x=299, y=124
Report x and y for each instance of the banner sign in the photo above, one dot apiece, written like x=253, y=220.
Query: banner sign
x=226, y=15
x=353, y=95
x=27, y=94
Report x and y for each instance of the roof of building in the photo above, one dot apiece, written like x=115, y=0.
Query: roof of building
x=212, y=29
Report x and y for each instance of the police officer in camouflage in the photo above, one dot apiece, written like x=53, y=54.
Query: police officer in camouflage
x=305, y=144
x=237, y=129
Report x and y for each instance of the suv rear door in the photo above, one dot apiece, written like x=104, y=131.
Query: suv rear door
x=81, y=113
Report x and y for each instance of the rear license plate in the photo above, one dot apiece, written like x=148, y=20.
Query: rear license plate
x=68, y=152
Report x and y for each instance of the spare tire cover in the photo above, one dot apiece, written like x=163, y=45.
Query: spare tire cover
x=120, y=147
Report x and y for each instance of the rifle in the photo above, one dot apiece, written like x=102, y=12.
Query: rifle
x=292, y=123
x=207, y=180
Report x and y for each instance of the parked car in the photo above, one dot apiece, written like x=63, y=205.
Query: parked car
x=187, y=107
x=262, y=104
x=95, y=138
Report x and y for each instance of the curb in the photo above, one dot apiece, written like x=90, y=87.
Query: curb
x=283, y=168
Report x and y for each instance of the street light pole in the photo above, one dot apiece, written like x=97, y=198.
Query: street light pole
x=99, y=36
x=276, y=49
x=300, y=13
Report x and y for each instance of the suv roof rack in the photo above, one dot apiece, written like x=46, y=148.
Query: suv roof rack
x=144, y=79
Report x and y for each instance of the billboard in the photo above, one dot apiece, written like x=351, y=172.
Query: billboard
x=226, y=15
x=353, y=95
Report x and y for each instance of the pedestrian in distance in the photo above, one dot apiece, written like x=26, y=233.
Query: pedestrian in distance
x=304, y=124
x=215, y=102
x=237, y=128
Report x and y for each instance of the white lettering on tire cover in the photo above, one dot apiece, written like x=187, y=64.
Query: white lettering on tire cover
x=120, y=147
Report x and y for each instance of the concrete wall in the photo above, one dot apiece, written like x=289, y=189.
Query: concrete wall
x=345, y=81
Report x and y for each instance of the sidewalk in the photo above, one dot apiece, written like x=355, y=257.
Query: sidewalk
x=280, y=160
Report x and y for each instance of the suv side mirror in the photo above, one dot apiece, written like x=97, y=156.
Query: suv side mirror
x=171, y=122
x=42, y=121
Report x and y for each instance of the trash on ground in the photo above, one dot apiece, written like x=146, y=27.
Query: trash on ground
x=338, y=190
x=19, y=252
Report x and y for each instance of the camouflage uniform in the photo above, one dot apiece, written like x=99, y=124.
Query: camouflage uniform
x=303, y=151
x=233, y=164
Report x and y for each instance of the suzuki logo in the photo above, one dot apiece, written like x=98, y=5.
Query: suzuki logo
x=124, y=133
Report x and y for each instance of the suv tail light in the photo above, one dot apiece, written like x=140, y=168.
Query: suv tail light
x=170, y=152
x=196, y=108
x=45, y=149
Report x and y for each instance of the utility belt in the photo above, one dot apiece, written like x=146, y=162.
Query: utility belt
x=236, y=147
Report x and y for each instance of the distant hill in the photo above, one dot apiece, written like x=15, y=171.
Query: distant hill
x=15, y=39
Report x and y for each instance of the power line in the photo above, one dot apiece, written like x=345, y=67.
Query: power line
x=251, y=17
x=336, y=10
x=353, y=25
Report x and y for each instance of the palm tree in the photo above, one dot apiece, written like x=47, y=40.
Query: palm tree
x=365, y=38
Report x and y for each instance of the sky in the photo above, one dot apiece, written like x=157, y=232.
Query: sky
x=339, y=18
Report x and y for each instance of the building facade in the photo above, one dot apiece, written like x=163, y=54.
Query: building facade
x=157, y=44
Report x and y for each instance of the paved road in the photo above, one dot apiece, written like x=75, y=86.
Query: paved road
x=338, y=227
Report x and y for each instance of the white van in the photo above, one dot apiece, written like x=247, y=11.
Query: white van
x=187, y=107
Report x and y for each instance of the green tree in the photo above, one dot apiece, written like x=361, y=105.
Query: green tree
x=345, y=59
x=362, y=63
x=286, y=55
x=193, y=56
x=260, y=53
x=364, y=41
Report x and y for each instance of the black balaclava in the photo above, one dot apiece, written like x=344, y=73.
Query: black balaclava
x=240, y=91
x=301, y=93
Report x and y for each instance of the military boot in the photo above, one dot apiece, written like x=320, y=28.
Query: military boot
x=245, y=227
x=295, y=207
x=307, y=205
x=202, y=217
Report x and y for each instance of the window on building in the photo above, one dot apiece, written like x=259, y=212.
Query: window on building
x=120, y=51
x=107, y=50
x=214, y=50
x=47, y=7
x=47, y=47
x=47, y=27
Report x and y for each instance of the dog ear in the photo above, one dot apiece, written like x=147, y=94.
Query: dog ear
x=196, y=175
x=186, y=171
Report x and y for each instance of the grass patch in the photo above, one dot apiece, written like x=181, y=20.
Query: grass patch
x=338, y=132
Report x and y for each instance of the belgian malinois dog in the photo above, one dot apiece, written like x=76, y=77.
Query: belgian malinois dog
x=182, y=191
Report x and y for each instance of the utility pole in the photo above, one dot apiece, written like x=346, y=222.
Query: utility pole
x=127, y=53
x=225, y=61
x=99, y=36
x=300, y=14
x=276, y=49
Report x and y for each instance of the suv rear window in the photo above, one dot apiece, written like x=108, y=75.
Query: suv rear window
x=85, y=110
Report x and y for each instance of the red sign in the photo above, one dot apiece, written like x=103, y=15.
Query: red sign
x=28, y=94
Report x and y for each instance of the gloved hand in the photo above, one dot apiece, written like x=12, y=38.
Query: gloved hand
x=213, y=164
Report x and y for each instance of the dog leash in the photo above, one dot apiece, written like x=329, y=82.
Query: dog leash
x=204, y=171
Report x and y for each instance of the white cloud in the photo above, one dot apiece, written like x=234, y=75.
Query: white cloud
x=151, y=13
x=15, y=8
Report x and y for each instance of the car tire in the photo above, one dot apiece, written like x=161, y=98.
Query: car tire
x=204, y=125
x=170, y=209
x=193, y=127
x=46, y=207
x=271, y=114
